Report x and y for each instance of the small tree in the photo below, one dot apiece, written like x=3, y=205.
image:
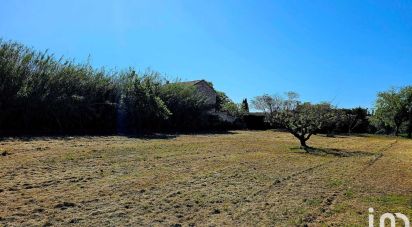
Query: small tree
x=353, y=120
x=301, y=120
x=269, y=105
x=406, y=97
x=245, y=106
x=391, y=110
x=304, y=120
x=225, y=104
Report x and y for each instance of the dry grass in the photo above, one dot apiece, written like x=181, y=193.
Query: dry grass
x=240, y=178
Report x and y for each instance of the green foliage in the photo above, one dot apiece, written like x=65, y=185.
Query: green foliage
x=245, y=106
x=232, y=109
x=225, y=104
x=140, y=100
x=305, y=119
x=221, y=100
x=269, y=105
x=392, y=109
x=349, y=121
x=406, y=94
x=41, y=94
x=300, y=119
x=188, y=107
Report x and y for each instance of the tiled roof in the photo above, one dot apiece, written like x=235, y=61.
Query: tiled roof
x=193, y=82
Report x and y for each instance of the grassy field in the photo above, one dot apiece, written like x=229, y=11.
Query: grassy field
x=238, y=178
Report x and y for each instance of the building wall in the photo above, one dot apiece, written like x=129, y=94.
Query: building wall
x=210, y=94
x=223, y=116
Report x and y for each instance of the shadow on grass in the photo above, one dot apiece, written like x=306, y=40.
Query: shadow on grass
x=332, y=151
x=146, y=136
x=405, y=136
x=344, y=135
x=150, y=136
x=172, y=135
x=29, y=138
x=363, y=135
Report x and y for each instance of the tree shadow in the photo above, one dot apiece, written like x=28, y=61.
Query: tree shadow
x=332, y=151
x=172, y=135
x=145, y=136
x=206, y=133
x=344, y=135
x=405, y=136
x=152, y=136
x=29, y=138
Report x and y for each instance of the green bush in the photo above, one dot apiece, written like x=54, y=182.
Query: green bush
x=42, y=94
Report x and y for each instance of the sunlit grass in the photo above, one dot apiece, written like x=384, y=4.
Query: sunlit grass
x=239, y=178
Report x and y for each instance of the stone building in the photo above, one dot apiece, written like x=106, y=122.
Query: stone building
x=204, y=88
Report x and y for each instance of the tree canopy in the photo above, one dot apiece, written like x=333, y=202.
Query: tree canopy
x=302, y=120
x=393, y=108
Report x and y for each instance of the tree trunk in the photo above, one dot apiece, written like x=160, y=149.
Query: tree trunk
x=397, y=130
x=303, y=144
x=410, y=123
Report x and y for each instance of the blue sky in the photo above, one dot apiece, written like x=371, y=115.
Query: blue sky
x=340, y=51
